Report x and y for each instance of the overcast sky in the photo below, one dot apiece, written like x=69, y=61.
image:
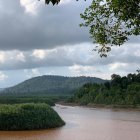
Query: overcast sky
x=46, y=40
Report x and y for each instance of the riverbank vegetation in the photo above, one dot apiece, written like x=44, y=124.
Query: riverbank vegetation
x=19, y=100
x=50, y=100
x=119, y=91
x=28, y=116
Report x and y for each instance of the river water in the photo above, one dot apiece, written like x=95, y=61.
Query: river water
x=86, y=124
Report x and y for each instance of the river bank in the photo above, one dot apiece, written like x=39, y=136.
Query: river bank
x=114, y=107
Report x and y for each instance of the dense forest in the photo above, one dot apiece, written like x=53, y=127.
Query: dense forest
x=119, y=91
x=50, y=85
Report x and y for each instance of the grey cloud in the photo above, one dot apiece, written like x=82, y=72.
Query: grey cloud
x=52, y=27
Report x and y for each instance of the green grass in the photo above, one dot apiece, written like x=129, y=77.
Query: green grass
x=28, y=116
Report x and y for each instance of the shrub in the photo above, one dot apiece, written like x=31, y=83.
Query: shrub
x=28, y=117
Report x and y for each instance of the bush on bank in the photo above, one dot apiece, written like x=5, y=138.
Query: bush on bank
x=28, y=117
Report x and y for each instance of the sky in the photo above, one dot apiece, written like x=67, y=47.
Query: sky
x=36, y=39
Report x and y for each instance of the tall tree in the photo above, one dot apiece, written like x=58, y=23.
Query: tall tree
x=111, y=22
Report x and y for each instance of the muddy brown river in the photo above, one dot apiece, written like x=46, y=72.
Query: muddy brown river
x=86, y=124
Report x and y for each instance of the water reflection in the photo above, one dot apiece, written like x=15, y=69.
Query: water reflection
x=86, y=124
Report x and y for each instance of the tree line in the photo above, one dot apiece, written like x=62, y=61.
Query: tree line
x=119, y=91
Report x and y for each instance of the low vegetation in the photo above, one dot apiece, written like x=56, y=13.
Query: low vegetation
x=18, y=100
x=123, y=91
x=28, y=117
x=50, y=100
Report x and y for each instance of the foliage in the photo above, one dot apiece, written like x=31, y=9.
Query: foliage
x=52, y=1
x=28, y=117
x=111, y=22
x=19, y=100
x=119, y=91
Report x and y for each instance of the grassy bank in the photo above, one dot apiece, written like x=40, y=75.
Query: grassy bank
x=28, y=117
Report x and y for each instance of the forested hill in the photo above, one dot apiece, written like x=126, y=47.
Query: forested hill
x=50, y=85
x=119, y=91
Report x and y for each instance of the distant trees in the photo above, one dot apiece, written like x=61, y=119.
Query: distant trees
x=49, y=85
x=119, y=91
x=20, y=100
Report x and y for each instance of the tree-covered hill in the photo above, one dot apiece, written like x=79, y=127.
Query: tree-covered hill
x=119, y=91
x=50, y=85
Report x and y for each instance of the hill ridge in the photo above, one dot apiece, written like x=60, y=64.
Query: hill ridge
x=51, y=85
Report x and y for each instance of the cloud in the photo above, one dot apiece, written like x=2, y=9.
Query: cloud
x=65, y=2
x=3, y=76
x=30, y=6
x=30, y=24
x=72, y=56
x=41, y=54
x=117, y=66
x=137, y=53
x=82, y=70
x=32, y=73
x=2, y=57
x=21, y=57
